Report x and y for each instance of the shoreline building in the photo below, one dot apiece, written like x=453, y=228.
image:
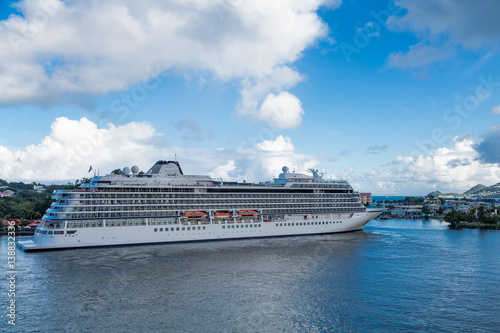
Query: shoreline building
x=7, y=193
x=365, y=198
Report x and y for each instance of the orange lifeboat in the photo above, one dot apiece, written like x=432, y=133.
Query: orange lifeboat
x=247, y=212
x=222, y=214
x=194, y=214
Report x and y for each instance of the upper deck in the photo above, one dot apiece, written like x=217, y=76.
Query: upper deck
x=169, y=174
x=166, y=191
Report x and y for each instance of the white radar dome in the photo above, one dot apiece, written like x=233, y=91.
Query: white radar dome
x=285, y=169
x=126, y=170
x=135, y=169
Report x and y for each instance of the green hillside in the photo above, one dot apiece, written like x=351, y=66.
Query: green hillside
x=488, y=191
x=475, y=189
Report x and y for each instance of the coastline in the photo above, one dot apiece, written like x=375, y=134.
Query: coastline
x=456, y=225
x=473, y=225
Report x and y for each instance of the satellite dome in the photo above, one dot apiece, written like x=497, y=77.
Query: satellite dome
x=135, y=169
x=285, y=169
x=126, y=170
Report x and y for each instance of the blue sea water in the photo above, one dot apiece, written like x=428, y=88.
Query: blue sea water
x=395, y=276
x=389, y=198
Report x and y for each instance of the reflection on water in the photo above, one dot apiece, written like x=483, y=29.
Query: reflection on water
x=396, y=275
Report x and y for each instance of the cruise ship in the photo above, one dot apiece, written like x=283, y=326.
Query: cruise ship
x=164, y=205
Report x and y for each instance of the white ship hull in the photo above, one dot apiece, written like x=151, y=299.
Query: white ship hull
x=292, y=225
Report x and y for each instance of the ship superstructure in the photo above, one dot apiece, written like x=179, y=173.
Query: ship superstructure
x=164, y=205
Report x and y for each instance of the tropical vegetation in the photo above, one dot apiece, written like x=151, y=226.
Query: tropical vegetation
x=27, y=203
x=476, y=218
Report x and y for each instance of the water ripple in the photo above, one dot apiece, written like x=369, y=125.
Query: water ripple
x=411, y=276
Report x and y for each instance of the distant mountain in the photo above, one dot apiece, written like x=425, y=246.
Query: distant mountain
x=435, y=194
x=479, y=190
x=487, y=191
x=475, y=189
x=438, y=194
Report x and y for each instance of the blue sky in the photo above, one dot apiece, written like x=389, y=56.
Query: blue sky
x=398, y=99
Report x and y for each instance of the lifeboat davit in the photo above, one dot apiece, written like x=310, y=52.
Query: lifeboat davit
x=194, y=214
x=247, y=212
x=221, y=214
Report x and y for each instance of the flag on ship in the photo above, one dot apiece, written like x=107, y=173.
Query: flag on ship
x=90, y=169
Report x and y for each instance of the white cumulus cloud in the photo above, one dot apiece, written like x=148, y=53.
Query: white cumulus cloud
x=280, y=144
x=448, y=169
x=66, y=153
x=72, y=146
x=59, y=48
x=281, y=111
x=464, y=22
x=442, y=27
x=222, y=171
